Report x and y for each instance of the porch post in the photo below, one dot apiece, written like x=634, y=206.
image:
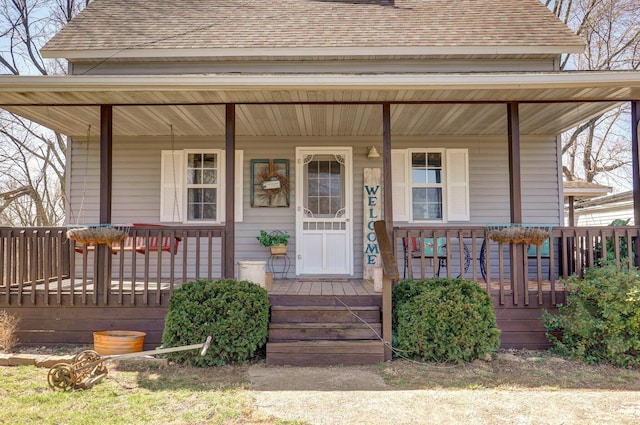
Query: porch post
x=635, y=162
x=572, y=218
x=386, y=166
x=106, y=162
x=230, y=154
x=103, y=275
x=515, y=196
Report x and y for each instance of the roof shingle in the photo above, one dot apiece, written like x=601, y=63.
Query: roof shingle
x=211, y=24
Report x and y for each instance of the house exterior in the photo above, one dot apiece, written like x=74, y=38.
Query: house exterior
x=178, y=116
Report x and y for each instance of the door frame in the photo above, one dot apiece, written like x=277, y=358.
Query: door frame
x=347, y=152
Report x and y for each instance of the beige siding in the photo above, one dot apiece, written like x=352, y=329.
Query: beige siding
x=136, y=181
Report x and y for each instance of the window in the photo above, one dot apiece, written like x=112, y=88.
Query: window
x=202, y=186
x=324, y=186
x=192, y=186
x=426, y=185
x=430, y=185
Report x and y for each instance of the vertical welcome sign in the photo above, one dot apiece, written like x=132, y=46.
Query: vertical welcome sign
x=372, y=212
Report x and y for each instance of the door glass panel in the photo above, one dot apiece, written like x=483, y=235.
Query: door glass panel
x=324, y=186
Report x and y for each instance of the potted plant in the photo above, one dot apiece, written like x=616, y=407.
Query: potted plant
x=277, y=241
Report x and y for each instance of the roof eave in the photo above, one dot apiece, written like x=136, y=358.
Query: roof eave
x=257, y=52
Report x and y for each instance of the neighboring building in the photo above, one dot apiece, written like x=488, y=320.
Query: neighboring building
x=580, y=191
x=604, y=210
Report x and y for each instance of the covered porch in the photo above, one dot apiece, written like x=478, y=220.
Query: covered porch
x=43, y=270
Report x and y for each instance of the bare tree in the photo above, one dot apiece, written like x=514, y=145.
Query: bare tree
x=598, y=150
x=32, y=158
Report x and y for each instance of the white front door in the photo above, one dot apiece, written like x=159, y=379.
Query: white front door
x=324, y=208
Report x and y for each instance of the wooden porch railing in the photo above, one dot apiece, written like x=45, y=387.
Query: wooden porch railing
x=32, y=256
x=40, y=266
x=466, y=252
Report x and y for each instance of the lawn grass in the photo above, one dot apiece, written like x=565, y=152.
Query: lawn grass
x=174, y=395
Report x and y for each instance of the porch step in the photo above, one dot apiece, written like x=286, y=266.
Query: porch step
x=321, y=331
x=324, y=353
x=324, y=314
x=324, y=331
x=324, y=300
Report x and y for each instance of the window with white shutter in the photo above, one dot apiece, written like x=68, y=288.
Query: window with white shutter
x=430, y=185
x=192, y=186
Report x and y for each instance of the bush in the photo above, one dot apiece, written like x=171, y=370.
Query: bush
x=235, y=314
x=444, y=320
x=600, y=321
x=8, y=329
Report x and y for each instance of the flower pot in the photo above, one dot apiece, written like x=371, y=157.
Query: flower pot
x=278, y=249
x=118, y=342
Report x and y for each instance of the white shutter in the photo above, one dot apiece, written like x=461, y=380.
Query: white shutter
x=458, y=185
x=400, y=184
x=238, y=193
x=171, y=189
x=238, y=185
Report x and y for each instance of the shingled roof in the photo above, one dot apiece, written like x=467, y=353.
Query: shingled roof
x=117, y=25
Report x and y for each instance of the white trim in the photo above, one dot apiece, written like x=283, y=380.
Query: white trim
x=215, y=82
x=267, y=52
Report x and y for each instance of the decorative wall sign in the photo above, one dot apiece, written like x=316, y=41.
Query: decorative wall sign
x=270, y=185
x=372, y=212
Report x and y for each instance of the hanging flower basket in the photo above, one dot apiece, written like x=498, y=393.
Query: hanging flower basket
x=529, y=234
x=106, y=235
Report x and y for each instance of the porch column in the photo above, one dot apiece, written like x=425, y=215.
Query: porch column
x=635, y=162
x=106, y=162
x=103, y=272
x=386, y=167
x=230, y=222
x=572, y=213
x=515, y=196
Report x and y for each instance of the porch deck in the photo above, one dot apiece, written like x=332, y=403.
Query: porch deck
x=322, y=286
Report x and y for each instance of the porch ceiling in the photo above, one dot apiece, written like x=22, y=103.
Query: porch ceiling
x=315, y=120
x=279, y=105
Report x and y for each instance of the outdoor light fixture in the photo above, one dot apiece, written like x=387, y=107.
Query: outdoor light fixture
x=373, y=153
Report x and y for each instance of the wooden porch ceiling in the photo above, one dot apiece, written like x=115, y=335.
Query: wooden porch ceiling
x=319, y=104
x=316, y=119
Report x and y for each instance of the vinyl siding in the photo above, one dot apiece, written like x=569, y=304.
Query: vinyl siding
x=136, y=181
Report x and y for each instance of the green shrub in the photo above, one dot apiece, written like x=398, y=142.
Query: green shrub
x=444, y=320
x=600, y=321
x=235, y=314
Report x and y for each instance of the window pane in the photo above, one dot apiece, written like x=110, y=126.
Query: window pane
x=323, y=205
x=323, y=168
x=209, y=161
x=209, y=196
x=434, y=176
x=418, y=175
x=194, y=196
x=435, y=160
x=313, y=205
x=194, y=160
x=418, y=160
x=209, y=212
x=209, y=176
x=191, y=176
x=434, y=198
x=193, y=211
